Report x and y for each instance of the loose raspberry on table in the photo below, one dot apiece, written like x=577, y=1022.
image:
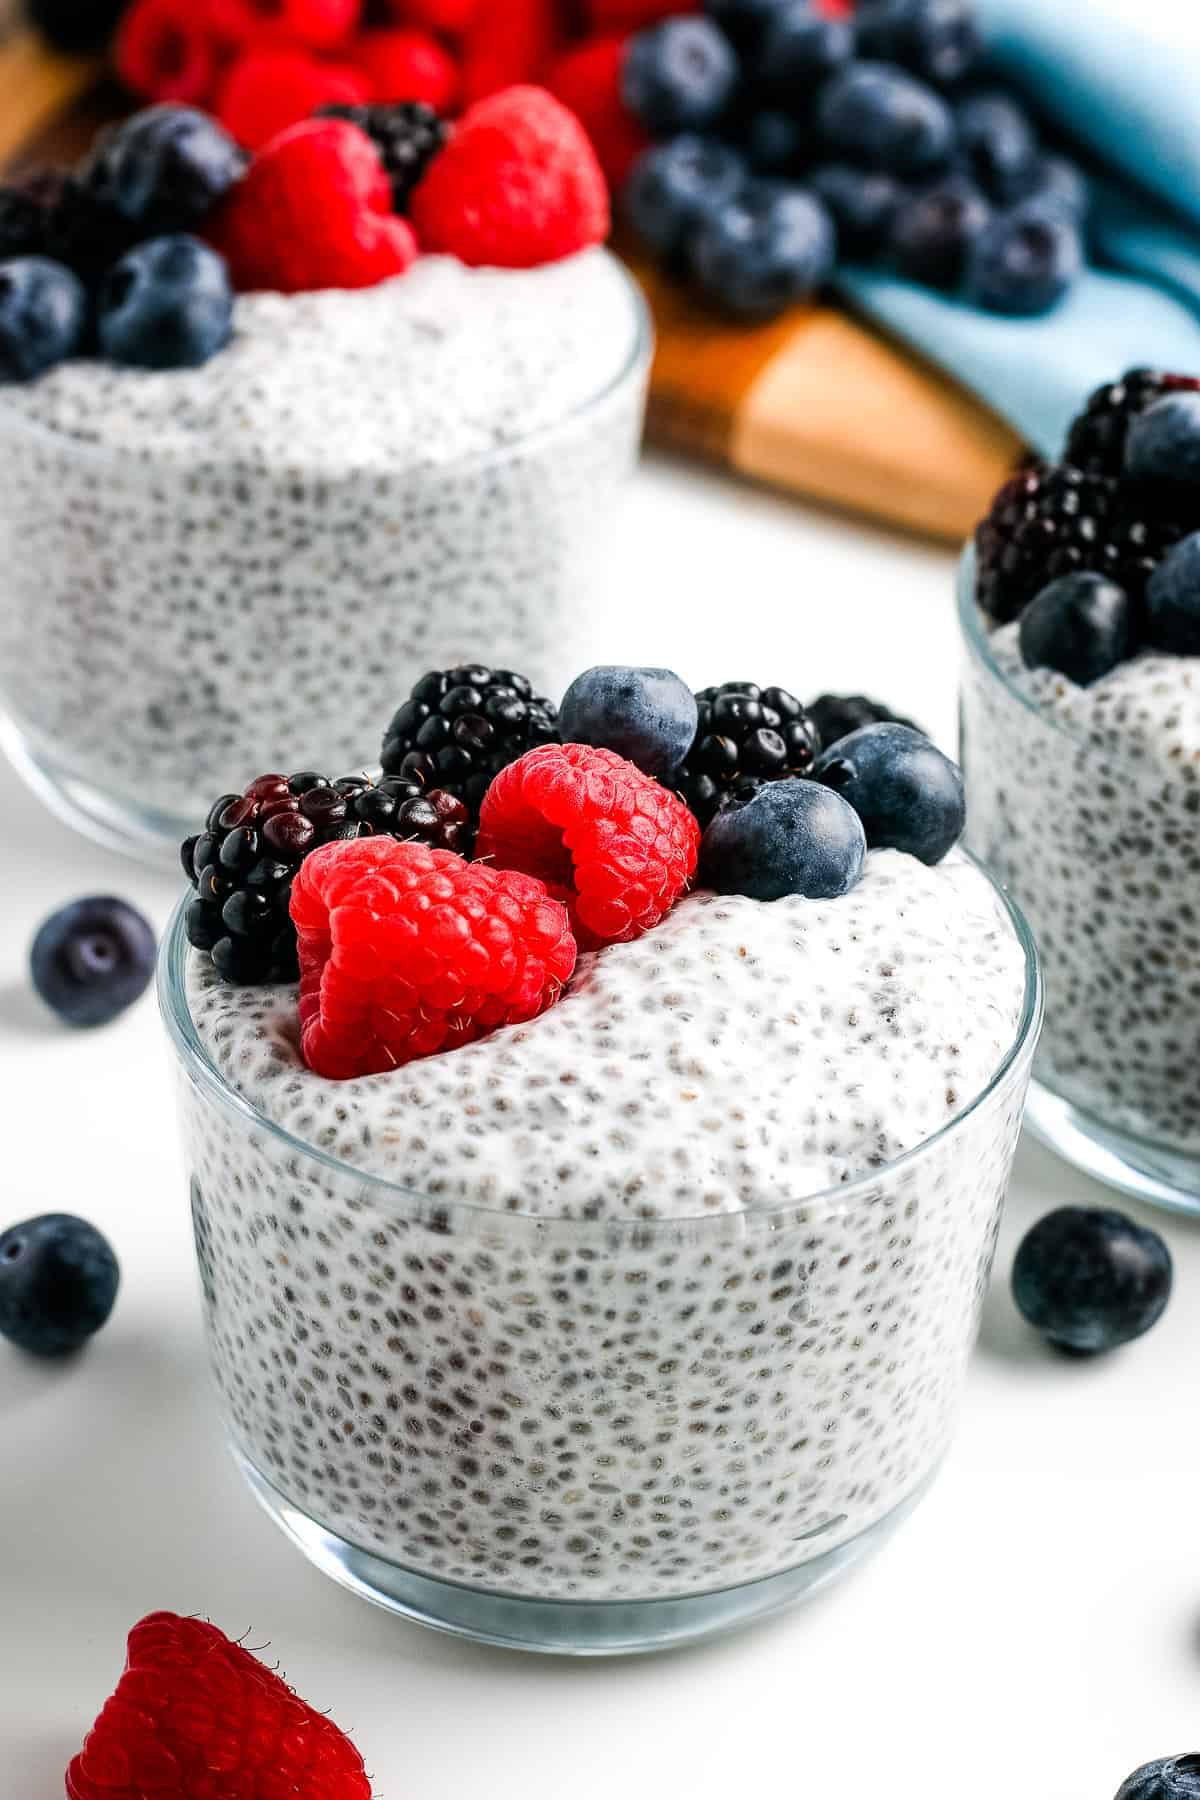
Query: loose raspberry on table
x=587, y=79
x=517, y=185
x=266, y=91
x=196, y=1717
x=320, y=24
x=505, y=44
x=163, y=51
x=314, y=211
x=407, y=65
x=614, y=843
x=405, y=951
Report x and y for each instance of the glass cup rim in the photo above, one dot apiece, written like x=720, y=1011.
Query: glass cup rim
x=641, y=350
x=196, y=1064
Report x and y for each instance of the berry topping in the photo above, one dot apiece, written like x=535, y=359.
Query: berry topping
x=1173, y=600
x=646, y=715
x=1163, y=446
x=314, y=211
x=460, y=727
x=165, y=169
x=618, y=847
x=744, y=732
x=767, y=248
x=933, y=234
x=268, y=90
x=1079, y=625
x=408, y=65
x=1091, y=1279
x=1096, y=440
x=1170, y=1778
x=43, y=316
x=940, y=40
x=196, y=1717
x=405, y=951
x=58, y=1283
x=407, y=136
x=92, y=959
x=81, y=229
x=588, y=81
x=1024, y=261
x=877, y=115
x=790, y=837
x=837, y=715
x=673, y=187
x=679, y=76
x=166, y=305
x=907, y=794
x=517, y=185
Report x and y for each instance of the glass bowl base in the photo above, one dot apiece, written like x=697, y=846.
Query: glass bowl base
x=561, y=1627
x=1133, y=1165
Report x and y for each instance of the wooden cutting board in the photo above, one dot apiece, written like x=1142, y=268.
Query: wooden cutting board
x=816, y=402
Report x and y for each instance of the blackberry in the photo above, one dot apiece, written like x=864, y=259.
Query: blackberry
x=746, y=736
x=460, y=727
x=82, y=229
x=1096, y=441
x=837, y=715
x=408, y=136
x=1046, y=522
x=23, y=214
x=243, y=863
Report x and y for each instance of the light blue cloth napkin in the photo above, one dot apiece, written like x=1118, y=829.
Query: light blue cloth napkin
x=1129, y=87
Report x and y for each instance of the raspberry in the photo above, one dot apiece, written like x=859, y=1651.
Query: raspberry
x=517, y=185
x=1096, y=441
x=268, y=90
x=164, y=52
x=618, y=846
x=407, y=65
x=196, y=1717
x=588, y=81
x=314, y=211
x=319, y=24
x=407, y=136
x=450, y=18
x=405, y=951
x=507, y=44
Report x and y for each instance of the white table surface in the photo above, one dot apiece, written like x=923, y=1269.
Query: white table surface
x=1033, y=1631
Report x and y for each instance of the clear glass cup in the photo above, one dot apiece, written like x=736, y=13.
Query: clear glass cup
x=136, y=685
x=583, y=1436
x=1101, y=853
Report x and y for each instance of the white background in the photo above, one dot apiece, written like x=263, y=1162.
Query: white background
x=1033, y=1631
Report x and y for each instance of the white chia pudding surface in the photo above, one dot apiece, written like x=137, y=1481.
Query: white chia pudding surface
x=1085, y=802
x=621, y=1341
x=209, y=572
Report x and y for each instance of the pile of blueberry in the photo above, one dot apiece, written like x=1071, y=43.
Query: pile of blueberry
x=104, y=258
x=787, y=140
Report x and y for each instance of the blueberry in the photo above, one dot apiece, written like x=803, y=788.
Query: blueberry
x=1171, y=1778
x=58, y=1282
x=1090, y=1279
x=863, y=203
x=648, y=716
x=765, y=250
x=165, y=169
x=1000, y=145
x=167, y=304
x=774, y=142
x=1163, y=444
x=1080, y=625
x=907, y=794
x=932, y=235
x=1173, y=600
x=92, y=959
x=1025, y=261
x=679, y=76
x=1056, y=184
x=790, y=837
x=799, y=48
x=43, y=316
x=744, y=21
x=939, y=40
x=671, y=187
x=883, y=118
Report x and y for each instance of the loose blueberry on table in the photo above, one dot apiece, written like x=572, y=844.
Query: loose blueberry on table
x=1090, y=1279
x=1170, y=1778
x=58, y=1284
x=92, y=959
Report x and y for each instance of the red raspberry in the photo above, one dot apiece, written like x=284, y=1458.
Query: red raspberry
x=588, y=81
x=163, y=53
x=617, y=845
x=632, y=15
x=450, y=18
x=507, y=43
x=319, y=24
x=268, y=90
x=196, y=1717
x=407, y=65
x=405, y=951
x=517, y=185
x=314, y=211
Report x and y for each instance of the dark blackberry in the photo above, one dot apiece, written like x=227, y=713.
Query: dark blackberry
x=1096, y=440
x=23, y=215
x=408, y=136
x=1047, y=522
x=460, y=727
x=82, y=229
x=746, y=736
x=837, y=715
x=243, y=863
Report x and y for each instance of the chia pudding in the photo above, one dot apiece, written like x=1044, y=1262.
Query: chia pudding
x=1085, y=804
x=205, y=567
x=668, y=1291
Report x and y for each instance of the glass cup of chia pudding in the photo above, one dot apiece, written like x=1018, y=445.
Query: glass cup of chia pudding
x=642, y=1320
x=205, y=566
x=1084, y=801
